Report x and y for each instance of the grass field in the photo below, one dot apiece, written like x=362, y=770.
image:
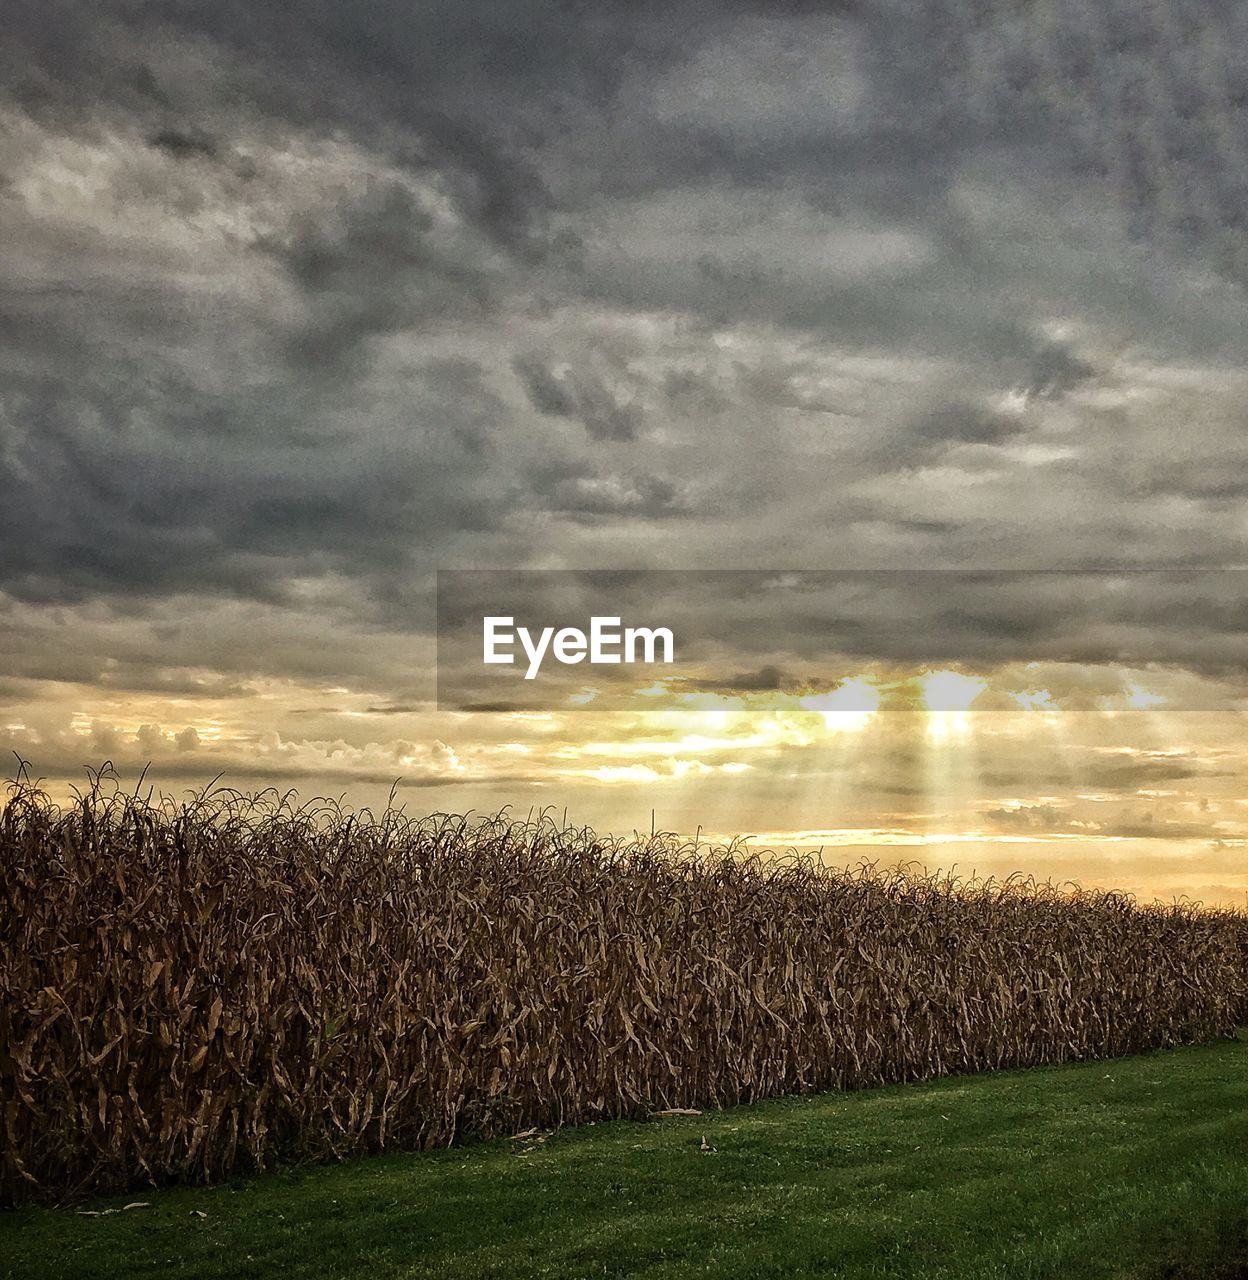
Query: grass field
x=1135, y=1167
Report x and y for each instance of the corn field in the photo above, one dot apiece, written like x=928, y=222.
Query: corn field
x=190, y=990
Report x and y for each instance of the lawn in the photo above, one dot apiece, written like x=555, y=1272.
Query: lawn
x=1136, y=1167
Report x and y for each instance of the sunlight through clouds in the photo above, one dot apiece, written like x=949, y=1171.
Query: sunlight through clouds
x=948, y=695
x=848, y=708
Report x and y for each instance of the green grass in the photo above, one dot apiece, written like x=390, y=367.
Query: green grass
x=1130, y=1168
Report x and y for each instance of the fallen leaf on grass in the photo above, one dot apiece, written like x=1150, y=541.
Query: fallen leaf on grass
x=137, y=1204
x=677, y=1111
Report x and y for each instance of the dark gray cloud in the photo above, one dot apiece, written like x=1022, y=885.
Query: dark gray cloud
x=1056, y=370
x=605, y=413
x=338, y=295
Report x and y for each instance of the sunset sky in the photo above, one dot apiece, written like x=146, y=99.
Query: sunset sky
x=300, y=307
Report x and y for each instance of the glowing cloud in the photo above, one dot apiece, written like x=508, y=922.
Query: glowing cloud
x=947, y=695
x=847, y=708
x=1139, y=699
x=1034, y=700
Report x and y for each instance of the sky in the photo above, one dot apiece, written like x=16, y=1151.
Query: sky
x=304, y=303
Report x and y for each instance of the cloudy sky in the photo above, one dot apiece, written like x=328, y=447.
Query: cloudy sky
x=302, y=303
